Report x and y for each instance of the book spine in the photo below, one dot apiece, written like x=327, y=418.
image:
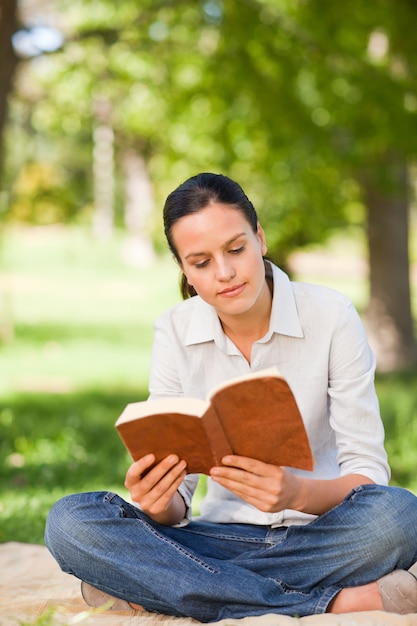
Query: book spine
x=219, y=443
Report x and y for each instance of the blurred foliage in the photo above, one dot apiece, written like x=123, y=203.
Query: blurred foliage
x=295, y=100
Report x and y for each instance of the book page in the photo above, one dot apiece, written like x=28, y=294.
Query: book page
x=160, y=406
x=269, y=371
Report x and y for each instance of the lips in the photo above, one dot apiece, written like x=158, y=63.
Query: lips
x=230, y=292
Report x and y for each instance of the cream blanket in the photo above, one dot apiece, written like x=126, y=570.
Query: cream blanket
x=31, y=583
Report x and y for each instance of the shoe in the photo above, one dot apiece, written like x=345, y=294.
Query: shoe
x=399, y=591
x=96, y=598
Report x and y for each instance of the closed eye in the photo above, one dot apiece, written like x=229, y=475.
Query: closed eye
x=201, y=264
x=237, y=250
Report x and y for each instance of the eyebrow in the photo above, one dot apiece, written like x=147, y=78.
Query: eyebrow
x=226, y=243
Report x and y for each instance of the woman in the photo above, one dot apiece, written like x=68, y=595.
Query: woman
x=269, y=539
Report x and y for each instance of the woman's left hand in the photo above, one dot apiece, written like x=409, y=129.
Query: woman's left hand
x=267, y=487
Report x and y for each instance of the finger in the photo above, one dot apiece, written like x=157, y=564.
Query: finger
x=258, y=495
x=137, y=468
x=158, y=472
x=239, y=482
x=162, y=493
x=237, y=475
x=136, y=471
x=160, y=477
x=174, y=476
x=159, y=496
x=248, y=464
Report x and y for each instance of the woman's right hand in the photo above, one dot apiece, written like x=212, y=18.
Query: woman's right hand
x=156, y=491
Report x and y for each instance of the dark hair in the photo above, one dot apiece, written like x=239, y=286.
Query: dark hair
x=195, y=194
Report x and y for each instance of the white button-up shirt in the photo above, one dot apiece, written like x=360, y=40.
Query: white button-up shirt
x=317, y=341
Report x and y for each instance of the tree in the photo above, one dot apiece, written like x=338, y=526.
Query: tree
x=8, y=62
x=374, y=52
x=308, y=103
x=389, y=313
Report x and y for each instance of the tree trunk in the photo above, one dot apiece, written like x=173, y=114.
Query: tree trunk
x=103, y=170
x=8, y=64
x=138, y=249
x=388, y=317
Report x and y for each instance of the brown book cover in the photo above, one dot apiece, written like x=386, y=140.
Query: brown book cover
x=254, y=416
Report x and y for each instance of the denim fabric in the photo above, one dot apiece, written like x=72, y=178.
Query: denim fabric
x=212, y=571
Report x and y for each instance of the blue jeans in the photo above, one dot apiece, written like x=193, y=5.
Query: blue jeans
x=214, y=571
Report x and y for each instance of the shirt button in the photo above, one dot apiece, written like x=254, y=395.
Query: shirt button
x=256, y=363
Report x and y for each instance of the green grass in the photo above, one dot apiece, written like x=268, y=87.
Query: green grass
x=82, y=333
x=82, y=317
x=56, y=444
x=82, y=326
x=398, y=400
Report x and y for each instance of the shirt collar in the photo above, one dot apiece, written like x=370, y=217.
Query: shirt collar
x=205, y=325
x=284, y=314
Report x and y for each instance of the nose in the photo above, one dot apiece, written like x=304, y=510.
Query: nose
x=224, y=270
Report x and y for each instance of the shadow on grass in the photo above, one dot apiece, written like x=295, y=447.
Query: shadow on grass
x=52, y=445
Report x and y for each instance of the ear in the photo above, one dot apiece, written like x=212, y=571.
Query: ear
x=262, y=239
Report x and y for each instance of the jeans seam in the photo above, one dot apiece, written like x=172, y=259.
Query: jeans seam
x=328, y=595
x=226, y=537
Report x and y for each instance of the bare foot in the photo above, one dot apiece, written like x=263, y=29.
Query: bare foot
x=352, y=599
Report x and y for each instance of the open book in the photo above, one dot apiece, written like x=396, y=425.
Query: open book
x=254, y=416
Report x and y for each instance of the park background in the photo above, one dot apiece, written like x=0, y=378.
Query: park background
x=105, y=107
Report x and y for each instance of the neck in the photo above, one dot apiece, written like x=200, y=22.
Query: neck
x=251, y=326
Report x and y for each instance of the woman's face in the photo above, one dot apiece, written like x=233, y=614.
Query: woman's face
x=221, y=257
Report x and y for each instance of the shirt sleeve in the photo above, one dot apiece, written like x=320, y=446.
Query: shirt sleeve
x=187, y=489
x=164, y=377
x=353, y=405
x=165, y=381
